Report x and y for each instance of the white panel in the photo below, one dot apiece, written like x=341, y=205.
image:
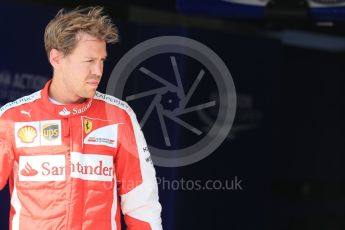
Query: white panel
x=92, y=167
x=50, y=132
x=106, y=135
x=42, y=168
x=27, y=134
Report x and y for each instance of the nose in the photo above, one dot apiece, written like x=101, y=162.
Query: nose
x=97, y=68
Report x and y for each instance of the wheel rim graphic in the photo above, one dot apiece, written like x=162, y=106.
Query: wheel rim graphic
x=196, y=50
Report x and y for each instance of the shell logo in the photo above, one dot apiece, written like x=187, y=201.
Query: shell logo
x=27, y=134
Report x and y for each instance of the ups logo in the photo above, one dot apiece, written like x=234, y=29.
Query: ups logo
x=50, y=131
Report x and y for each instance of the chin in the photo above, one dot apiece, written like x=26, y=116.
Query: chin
x=89, y=95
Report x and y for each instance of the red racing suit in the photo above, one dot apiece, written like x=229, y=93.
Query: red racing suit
x=76, y=166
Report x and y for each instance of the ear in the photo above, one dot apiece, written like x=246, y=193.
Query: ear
x=55, y=58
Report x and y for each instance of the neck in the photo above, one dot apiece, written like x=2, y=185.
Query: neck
x=59, y=94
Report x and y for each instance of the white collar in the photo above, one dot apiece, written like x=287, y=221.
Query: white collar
x=54, y=101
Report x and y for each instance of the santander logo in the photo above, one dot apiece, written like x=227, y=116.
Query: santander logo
x=92, y=167
x=81, y=110
x=53, y=167
x=65, y=112
x=28, y=170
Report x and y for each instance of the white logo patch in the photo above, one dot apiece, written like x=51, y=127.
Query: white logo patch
x=106, y=135
x=42, y=168
x=27, y=134
x=92, y=166
x=38, y=133
x=50, y=132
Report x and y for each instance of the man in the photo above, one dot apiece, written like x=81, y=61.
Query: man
x=76, y=157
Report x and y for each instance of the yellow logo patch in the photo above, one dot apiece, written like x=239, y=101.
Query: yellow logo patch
x=87, y=126
x=27, y=134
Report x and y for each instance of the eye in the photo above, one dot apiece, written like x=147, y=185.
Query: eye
x=89, y=61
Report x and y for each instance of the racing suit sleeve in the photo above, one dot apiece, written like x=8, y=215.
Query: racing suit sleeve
x=136, y=176
x=6, y=152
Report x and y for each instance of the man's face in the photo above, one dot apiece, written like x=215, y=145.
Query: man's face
x=81, y=70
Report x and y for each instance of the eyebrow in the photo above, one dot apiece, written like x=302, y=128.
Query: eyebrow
x=105, y=57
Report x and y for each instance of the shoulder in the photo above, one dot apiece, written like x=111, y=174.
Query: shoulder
x=111, y=100
x=21, y=101
x=118, y=104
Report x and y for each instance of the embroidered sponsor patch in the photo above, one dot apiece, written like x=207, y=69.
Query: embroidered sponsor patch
x=87, y=126
x=106, y=135
x=53, y=167
x=38, y=133
x=65, y=112
x=92, y=166
x=50, y=132
x=42, y=168
x=76, y=110
x=27, y=134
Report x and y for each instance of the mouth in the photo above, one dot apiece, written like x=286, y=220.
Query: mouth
x=93, y=83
